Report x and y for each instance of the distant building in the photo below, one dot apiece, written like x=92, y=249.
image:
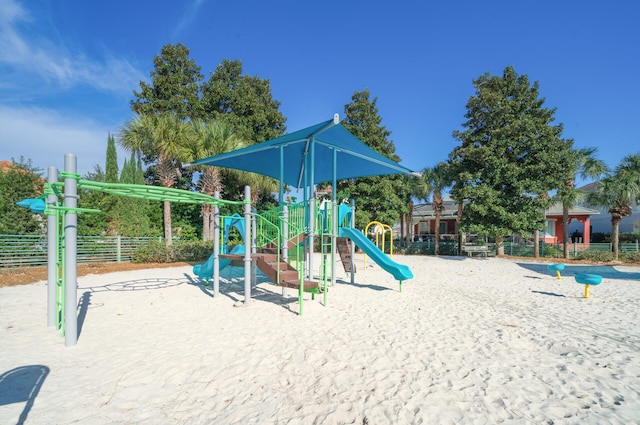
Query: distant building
x=602, y=222
x=423, y=222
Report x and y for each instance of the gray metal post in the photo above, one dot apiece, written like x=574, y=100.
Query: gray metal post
x=71, y=242
x=52, y=252
x=247, y=244
x=118, y=248
x=216, y=247
x=353, y=245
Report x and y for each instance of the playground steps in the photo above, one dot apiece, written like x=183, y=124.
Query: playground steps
x=268, y=263
x=344, y=249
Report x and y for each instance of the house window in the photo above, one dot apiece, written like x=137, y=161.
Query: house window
x=551, y=227
x=443, y=227
x=423, y=227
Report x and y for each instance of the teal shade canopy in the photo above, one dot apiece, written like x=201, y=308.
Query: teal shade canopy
x=287, y=158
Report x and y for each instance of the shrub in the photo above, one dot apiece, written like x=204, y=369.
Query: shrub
x=599, y=237
x=157, y=252
x=552, y=251
x=630, y=256
x=152, y=252
x=595, y=255
x=629, y=237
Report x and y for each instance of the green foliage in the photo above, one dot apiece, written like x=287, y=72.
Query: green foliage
x=19, y=181
x=378, y=198
x=551, y=251
x=629, y=237
x=595, y=255
x=510, y=157
x=599, y=237
x=175, y=85
x=243, y=101
x=112, y=161
x=158, y=252
x=153, y=252
x=631, y=256
x=619, y=192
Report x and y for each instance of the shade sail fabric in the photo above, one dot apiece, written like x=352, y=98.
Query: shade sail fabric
x=287, y=158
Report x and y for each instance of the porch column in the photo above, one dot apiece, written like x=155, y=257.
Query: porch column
x=586, y=231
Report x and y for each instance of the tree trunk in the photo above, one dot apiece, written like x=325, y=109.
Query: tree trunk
x=615, y=235
x=536, y=244
x=167, y=223
x=499, y=246
x=436, y=243
x=207, y=222
x=408, y=235
x=461, y=236
x=565, y=230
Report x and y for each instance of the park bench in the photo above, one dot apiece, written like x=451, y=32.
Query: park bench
x=477, y=249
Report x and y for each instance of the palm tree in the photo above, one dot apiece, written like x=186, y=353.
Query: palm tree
x=585, y=165
x=417, y=189
x=169, y=139
x=211, y=138
x=619, y=193
x=436, y=179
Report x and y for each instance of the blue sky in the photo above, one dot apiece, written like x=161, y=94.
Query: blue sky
x=68, y=67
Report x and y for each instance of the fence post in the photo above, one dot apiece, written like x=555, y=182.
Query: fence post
x=575, y=250
x=118, y=249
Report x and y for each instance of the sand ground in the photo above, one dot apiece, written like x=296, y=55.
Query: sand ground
x=467, y=341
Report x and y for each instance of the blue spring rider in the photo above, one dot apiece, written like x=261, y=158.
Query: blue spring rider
x=586, y=280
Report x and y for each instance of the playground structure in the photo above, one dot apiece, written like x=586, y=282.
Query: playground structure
x=279, y=242
x=556, y=268
x=379, y=232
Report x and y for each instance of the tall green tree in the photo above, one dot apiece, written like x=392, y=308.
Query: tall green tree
x=243, y=101
x=175, y=85
x=619, y=193
x=436, y=179
x=97, y=223
x=378, y=198
x=131, y=216
x=584, y=165
x=19, y=180
x=169, y=139
x=510, y=154
x=112, y=161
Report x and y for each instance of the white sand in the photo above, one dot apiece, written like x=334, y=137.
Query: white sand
x=468, y=341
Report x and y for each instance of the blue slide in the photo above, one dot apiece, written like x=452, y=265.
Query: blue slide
x=399, y=271
x=205, y=270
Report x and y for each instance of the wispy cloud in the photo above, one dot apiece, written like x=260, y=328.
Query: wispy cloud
x=25, y=53
x=45, y=136
x=188, y=17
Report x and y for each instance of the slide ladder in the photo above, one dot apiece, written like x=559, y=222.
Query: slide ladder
x=344, y=250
